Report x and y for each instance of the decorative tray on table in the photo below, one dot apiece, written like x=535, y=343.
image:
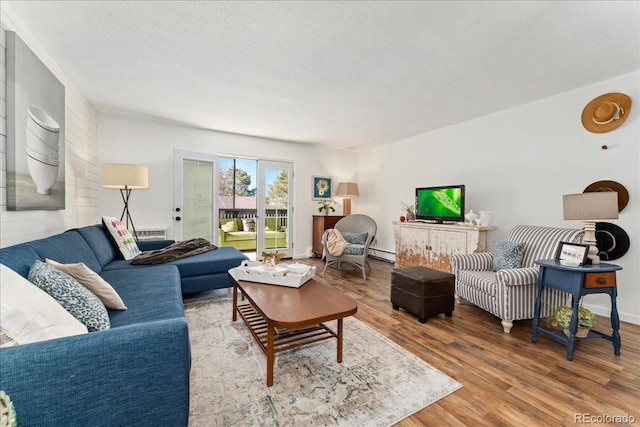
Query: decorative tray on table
x=291, y=275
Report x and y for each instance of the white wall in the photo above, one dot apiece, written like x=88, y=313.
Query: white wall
x=518, y=163
x=124, y=139
x=81, y=154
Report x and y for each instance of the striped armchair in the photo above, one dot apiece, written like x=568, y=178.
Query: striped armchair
x=510, y=293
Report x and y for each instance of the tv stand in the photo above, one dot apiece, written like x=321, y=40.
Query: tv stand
x=430, y=244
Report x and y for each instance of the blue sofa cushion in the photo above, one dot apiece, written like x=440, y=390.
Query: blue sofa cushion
x=19, y=258
x=159, y=284
x=66, y=248
x=97, y=238
x=75, y=298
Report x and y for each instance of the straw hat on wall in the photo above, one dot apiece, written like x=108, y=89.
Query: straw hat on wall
x=606, y=112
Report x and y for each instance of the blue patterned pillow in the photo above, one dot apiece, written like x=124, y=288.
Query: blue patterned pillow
x=507, y=255
x=75, y=298
x=355, y=238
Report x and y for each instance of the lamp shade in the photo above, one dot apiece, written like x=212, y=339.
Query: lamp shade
x=119, y=175
x=590, y=206
x=347, y=189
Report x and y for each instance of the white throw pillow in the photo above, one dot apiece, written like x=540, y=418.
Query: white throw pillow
x=92, y=281
x=28, y=314
x=124, y=240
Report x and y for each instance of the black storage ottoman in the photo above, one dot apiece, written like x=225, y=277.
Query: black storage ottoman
x=422, y=291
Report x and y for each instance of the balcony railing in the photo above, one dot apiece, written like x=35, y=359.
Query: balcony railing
x=279, y=214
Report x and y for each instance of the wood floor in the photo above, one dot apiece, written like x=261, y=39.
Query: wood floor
x=508, y=380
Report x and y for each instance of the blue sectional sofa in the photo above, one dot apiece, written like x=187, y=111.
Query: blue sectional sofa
x=136, y=372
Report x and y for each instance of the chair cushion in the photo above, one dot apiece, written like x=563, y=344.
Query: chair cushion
x=483, y=281
x=507, y=255
x=354, y=249
x=355, y=238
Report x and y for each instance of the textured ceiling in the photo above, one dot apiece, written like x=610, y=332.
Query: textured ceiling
x=349, y=74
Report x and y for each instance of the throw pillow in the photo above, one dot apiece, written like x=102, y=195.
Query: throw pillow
x=75, y=298
x=355, y=238
x=92, y=281
x=28, y=314
x=229, y=227
x=249, y=224
x=123, y=239
x=507, y=255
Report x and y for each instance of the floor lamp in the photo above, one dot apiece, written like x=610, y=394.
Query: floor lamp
x=590, y=208
x=347, y=189
x=125, y=178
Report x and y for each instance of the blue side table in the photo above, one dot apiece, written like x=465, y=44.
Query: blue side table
x=578, y=281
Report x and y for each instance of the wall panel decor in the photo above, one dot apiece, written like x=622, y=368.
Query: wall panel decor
x=35, y=131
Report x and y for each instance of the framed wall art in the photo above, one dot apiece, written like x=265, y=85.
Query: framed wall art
x=35, y=131
x=321, y=188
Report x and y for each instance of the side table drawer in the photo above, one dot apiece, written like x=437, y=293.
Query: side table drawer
x=600, y=280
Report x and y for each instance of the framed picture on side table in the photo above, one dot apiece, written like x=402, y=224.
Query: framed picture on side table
x=572, y=254
x=321, y=188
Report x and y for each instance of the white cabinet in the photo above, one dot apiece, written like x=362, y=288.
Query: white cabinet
x=430, y=245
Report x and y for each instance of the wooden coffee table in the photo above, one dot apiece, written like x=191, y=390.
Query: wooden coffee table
x=282, y=318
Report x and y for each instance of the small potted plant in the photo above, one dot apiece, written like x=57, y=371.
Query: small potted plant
x=270, y=259
x=410, y=211
x=326, y=206
x=562, y=318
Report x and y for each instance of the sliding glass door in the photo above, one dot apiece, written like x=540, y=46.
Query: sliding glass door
x=243, y=203
x=275, y=207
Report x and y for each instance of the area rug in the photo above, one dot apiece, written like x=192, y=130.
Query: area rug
x=377, y=384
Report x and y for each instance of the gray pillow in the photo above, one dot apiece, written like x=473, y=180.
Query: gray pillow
x=507, y=255
x=355, y=238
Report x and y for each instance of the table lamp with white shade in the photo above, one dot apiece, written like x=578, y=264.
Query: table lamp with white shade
x=590, y=208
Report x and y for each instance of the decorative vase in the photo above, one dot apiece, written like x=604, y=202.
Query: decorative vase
x=471, y=216
x=485, y=217
x=269, y=263
x=411, y=216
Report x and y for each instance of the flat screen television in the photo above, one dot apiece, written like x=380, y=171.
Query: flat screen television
x=440, y=204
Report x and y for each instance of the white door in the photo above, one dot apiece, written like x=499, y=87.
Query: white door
x=195, y=192
x=275, y=207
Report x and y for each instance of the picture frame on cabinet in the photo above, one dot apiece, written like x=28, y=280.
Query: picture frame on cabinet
x=322, y=188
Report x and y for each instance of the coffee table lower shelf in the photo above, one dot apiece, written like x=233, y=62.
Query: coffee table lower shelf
x=283, y=339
